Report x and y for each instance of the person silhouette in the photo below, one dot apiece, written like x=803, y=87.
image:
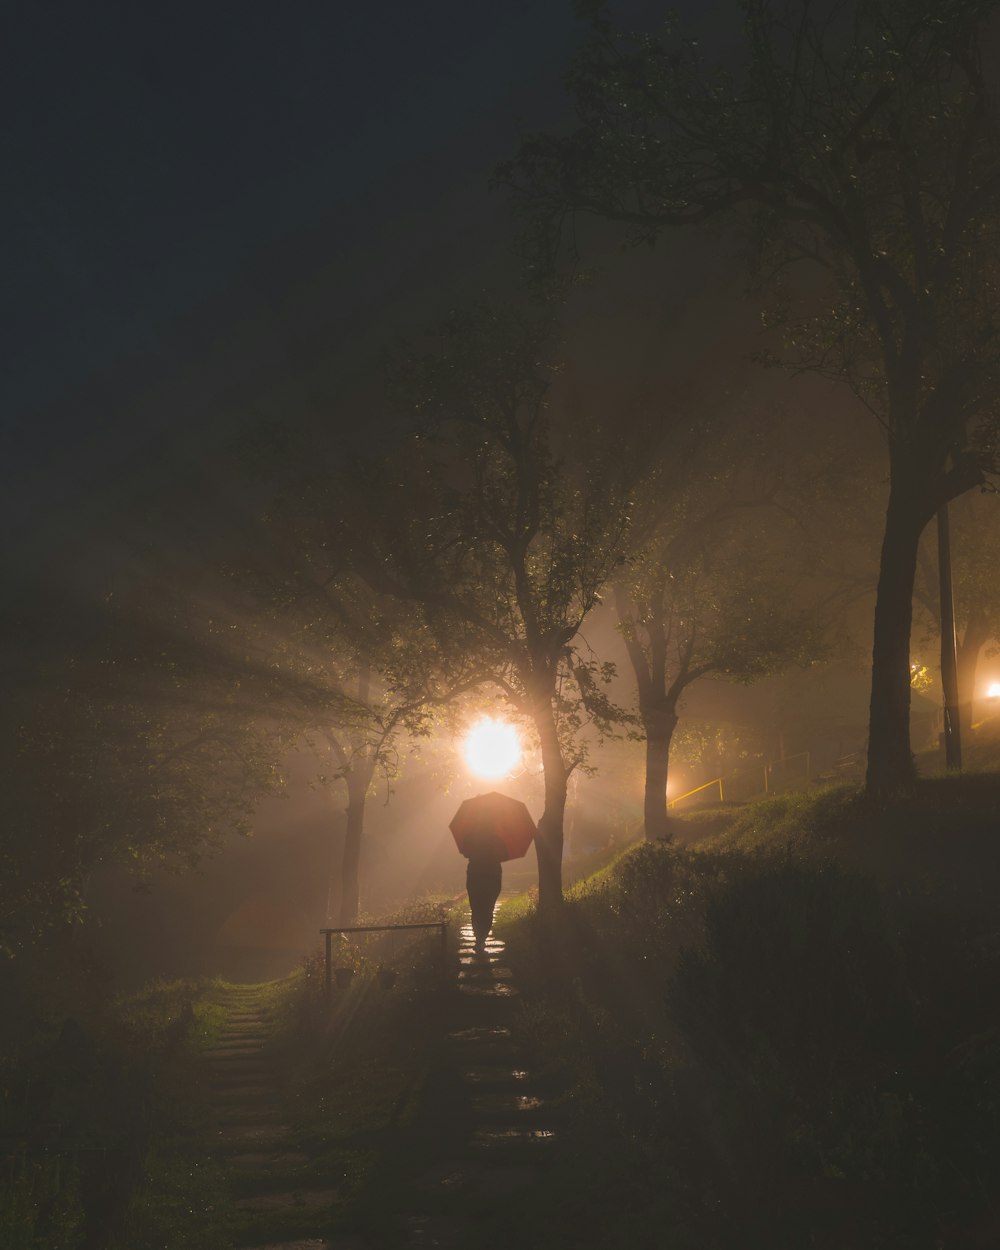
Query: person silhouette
x=483, y=878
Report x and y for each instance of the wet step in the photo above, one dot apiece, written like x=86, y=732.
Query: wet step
x=255, y=1164
x=442, y=1232
x=243, y=1136
x=294, y=1200
x=345, y=1241
x=251, y=1113
x=503, y=1139
x=507, y=1103
x=237, y=1060
x=238, y=1077
x=244, y=1095
x=496, y=1074
x=481, y=1033
x=487, y=989
x=312, y=1243
x=238, y=1050
x=495, y=972
x=476, y=1179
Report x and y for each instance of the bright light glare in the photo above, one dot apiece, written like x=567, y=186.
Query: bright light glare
x=993, y=690
x=492, y=748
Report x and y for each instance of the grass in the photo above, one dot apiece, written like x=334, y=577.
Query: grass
x=788, y=1035
x=91, y=1102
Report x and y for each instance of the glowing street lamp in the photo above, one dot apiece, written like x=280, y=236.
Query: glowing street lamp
x=492, y=748
x=993, y=690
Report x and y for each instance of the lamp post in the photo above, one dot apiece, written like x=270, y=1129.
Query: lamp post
x=949, y=658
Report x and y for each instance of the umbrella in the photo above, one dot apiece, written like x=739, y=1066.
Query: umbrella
x=493, y=826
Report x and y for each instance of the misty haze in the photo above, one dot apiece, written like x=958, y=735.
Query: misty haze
x=502, y=628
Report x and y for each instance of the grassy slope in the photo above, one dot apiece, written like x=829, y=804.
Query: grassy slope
x=787, y=1036
x=104, y=1122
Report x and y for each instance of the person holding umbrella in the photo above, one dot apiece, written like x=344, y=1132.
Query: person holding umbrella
x=489, y=829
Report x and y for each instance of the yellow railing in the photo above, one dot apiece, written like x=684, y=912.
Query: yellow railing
x=698, y=789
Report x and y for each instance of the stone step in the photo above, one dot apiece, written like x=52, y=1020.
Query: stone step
x=486, y=1056
x=480, y=1033
x=247, y=1136
x=440, y=1231
x=250, y=1070
x=487, y=989
x=509, y=1139
x=506, y=1103
x=292, y=1200
x=476, y=1179
x=339, y=1241
x=496, y=1074
x=238, y=1094
x=250, y=1114
x=254, y=1065
x=495, y=972
x=266, y=1162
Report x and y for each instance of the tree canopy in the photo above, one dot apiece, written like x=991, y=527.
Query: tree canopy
x=859, y=140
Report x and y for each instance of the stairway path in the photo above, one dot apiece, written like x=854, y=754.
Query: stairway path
x=483, y=1135
x=486, y=1132
x=272, y=1180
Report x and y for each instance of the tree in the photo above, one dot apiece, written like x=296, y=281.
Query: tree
x=143, y=748
x=351, y=675
x=715, y=588
x=498, y=538
x=859, y=140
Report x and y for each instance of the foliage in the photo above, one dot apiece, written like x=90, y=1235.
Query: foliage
x=145, y=748
x=721, y=581
x=84, y=1099
x=496, y=538
x=789, y=1034
x=859, y=142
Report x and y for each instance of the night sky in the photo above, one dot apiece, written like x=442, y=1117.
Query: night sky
x=187, y=183
x=223, y=212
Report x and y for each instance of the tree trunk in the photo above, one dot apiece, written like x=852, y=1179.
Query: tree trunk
x=358, y=780
x=659, y=726
x=890, y=761
x=549, y=839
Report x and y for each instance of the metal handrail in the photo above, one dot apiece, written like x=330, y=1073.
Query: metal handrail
x=771, y=764
x=377, y=928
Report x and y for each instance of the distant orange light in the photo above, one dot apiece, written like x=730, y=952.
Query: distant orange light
x=993, y=690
